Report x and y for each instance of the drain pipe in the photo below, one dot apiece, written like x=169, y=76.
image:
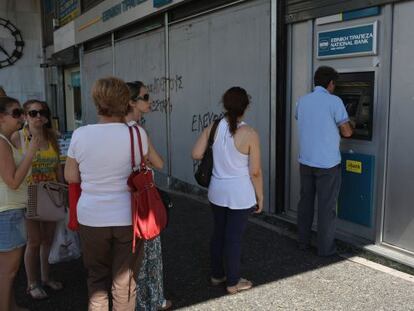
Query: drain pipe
x=168, y=97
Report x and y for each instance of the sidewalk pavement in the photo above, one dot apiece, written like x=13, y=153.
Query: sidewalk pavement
x=284, y=277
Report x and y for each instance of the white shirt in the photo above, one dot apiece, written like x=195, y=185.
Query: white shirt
x=103, y=152
x=230, y=185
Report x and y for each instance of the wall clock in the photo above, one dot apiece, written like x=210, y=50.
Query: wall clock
x=10, y=53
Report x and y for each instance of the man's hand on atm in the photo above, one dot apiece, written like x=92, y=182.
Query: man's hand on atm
x=346, y=129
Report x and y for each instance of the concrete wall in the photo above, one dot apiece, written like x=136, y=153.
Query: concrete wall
x=24, y=79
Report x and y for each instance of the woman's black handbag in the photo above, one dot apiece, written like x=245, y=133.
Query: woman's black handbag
x=205, y=168
x=168, y=203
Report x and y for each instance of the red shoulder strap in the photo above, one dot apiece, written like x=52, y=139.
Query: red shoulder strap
x=131, y=136
x=142, y=164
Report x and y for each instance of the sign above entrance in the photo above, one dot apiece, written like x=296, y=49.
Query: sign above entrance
x=348, y=42
x=108, y=16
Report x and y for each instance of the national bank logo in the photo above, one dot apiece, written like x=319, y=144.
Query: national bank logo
x=323, y=44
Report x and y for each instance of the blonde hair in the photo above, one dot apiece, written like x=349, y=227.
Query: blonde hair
x=111, y=97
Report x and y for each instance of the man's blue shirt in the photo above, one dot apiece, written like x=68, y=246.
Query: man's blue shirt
x=319, y=114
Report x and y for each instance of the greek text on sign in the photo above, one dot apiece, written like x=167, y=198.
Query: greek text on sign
x=354, y=166
x=345, y=42
x=119, y=8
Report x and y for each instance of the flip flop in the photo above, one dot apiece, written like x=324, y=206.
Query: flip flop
x=36, y=292
x=54, y=285
x=167, y=304
x=242, y=285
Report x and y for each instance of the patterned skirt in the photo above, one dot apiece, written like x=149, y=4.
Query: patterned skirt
x=150, y=287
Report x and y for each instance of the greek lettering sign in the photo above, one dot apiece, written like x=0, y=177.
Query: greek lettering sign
x=120, y=8
x=68, y=10
x=347, y=42
x=114, y=14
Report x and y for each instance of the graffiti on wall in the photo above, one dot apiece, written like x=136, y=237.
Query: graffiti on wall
x=158, y=85
x=200, y=121
x=157, y=89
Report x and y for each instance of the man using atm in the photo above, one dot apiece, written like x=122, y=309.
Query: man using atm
x=321, y=118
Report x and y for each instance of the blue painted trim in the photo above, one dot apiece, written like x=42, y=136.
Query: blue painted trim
x=374, y=11
x=160, y=3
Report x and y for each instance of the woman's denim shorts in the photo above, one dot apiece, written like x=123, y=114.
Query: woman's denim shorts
x=12, y=230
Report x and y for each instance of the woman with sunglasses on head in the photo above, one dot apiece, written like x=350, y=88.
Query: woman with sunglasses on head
x=13, y=197
x=150, y=288
x=45, y=167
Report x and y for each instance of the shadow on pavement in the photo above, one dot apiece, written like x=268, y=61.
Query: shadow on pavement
x=267, y=257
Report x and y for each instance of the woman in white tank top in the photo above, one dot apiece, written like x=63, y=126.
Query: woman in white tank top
x=13, y=197
x=236, y=187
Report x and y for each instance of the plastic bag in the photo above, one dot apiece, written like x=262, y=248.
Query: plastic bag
x=66, y=244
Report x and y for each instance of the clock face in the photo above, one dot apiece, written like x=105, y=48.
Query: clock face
x=11, y=43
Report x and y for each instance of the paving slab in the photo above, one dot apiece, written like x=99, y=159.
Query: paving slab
x=285, y=278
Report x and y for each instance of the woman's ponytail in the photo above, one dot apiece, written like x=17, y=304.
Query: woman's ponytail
x=235, y=101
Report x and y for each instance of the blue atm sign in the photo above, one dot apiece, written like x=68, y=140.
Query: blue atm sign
x=347, y=42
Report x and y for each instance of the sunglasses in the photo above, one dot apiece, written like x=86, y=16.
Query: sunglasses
x=145, y=98
x=42, y=113
x=16, y=113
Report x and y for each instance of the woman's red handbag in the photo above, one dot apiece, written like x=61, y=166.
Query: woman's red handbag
x=74, y=195
x=149, y=216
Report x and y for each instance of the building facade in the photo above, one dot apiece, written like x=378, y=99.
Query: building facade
x=190, y=52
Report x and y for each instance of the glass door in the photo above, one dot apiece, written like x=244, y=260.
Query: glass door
x=73, y=98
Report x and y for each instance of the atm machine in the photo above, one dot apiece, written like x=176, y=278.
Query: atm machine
x=364, y=86
x=355, y=204
x=356, y=89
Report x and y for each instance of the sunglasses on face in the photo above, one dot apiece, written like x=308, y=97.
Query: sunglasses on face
x=42, y=113
x=145, y=98
x=16, y=113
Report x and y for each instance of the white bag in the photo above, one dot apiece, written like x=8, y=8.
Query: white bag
x=66, y=244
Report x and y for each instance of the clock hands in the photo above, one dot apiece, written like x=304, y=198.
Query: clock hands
x=4, y=51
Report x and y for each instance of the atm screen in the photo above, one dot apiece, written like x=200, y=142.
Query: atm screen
x=356, y=89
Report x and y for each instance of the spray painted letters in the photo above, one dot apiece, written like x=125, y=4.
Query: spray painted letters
x=200, y=121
